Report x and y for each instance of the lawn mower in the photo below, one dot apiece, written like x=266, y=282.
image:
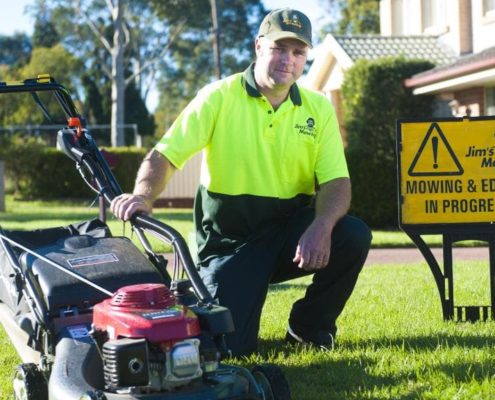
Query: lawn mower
x=93, y=317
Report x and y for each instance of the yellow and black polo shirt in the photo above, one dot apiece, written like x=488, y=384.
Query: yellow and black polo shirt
x=258, y=165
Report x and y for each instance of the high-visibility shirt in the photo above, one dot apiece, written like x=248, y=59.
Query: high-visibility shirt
x=259, y=165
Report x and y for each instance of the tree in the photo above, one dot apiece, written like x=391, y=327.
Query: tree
x=141, y=41
x=113, y=27
x=44, y=34
x=192, y=64
x=17, y=109
x=356, y=16
x=16, y=49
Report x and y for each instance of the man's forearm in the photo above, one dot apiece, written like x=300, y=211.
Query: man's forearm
x=153, y=175
x=333, y=200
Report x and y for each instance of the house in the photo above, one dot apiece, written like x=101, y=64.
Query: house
x=457, y=35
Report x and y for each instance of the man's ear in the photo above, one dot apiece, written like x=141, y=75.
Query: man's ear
x=257, y=46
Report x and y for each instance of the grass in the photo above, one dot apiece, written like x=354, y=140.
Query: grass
x=30, y=215
x=392, y=342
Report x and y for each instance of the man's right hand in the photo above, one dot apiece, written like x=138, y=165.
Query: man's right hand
x=125, y=205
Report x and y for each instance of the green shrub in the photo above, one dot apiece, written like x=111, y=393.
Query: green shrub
x=38, y=171
x=374, y=97
x=21, y=156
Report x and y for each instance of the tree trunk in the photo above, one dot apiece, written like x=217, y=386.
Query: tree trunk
x=216, y=39
x=118, y=81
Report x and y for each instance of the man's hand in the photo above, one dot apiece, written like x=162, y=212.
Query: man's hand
x=127, y=204
x=153, y=174
x=313, y=249
x=332, y=202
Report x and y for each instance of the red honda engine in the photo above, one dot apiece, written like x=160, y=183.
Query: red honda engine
x=150, y=341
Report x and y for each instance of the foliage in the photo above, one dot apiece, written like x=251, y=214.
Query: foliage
x=137, y=113
x=18, y=153
x=32, y=166
x=45, y=34
x=19, y=108
x=356, y=16
x=16, y=49
x=374, y=97
x=97, y=107
x=111, y=38
x=193, y=64
x=170, y=42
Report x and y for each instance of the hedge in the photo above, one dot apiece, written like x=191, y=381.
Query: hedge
x=38, y=171
x=374, y=97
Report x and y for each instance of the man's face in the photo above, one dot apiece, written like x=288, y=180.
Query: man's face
x=279, y=63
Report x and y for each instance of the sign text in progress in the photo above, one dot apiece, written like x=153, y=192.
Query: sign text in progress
x=447, y=171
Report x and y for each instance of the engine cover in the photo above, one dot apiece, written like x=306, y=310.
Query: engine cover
x=146, y=311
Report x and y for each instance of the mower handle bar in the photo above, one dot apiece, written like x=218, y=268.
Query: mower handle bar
x=89, y=156
x=44, y=83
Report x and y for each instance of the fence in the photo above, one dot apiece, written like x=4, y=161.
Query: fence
x=100, y=132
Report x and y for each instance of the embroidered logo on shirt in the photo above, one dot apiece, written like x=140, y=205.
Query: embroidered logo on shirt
x=308, y=129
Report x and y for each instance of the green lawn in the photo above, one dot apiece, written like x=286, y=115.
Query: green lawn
x=392, y=342
x=43, y=214
x=29, y=215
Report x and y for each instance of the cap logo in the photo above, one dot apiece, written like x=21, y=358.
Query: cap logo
x=285, y=23
x=293, y=22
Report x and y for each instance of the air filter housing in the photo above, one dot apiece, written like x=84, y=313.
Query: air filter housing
x=146, y=311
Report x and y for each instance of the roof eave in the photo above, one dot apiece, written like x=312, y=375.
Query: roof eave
x=479, y=78
x=461, y=70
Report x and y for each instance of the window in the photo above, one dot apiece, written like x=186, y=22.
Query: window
x=490, y=101
x=434, y=16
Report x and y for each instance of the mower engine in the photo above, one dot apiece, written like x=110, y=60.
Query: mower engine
x=148, y=341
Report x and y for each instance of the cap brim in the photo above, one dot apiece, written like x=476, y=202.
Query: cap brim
x=287, y=35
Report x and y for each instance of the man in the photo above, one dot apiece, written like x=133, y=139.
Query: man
x=268, y=144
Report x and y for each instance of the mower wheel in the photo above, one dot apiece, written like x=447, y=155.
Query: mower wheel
x=29, y=383
x=272, y=382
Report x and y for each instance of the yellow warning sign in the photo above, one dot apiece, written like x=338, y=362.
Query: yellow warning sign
x=435, y=156
x=447, y=171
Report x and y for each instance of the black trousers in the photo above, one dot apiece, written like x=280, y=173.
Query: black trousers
x=240, y=280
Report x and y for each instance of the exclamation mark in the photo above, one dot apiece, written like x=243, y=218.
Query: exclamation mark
x=434, y=143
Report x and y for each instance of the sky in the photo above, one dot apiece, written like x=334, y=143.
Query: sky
x=13, y=18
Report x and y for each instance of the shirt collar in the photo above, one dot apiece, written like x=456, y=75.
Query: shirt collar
x=250, y=85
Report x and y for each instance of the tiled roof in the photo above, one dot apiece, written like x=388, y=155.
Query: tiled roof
x=373, y=47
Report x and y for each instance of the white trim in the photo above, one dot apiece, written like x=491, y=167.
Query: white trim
x=460, y=82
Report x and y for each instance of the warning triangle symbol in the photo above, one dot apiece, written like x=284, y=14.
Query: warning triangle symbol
x=435, y=157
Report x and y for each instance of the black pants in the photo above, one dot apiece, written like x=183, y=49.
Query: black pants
x=240, y=280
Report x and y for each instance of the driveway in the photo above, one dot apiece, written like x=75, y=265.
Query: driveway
x=413, y=255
